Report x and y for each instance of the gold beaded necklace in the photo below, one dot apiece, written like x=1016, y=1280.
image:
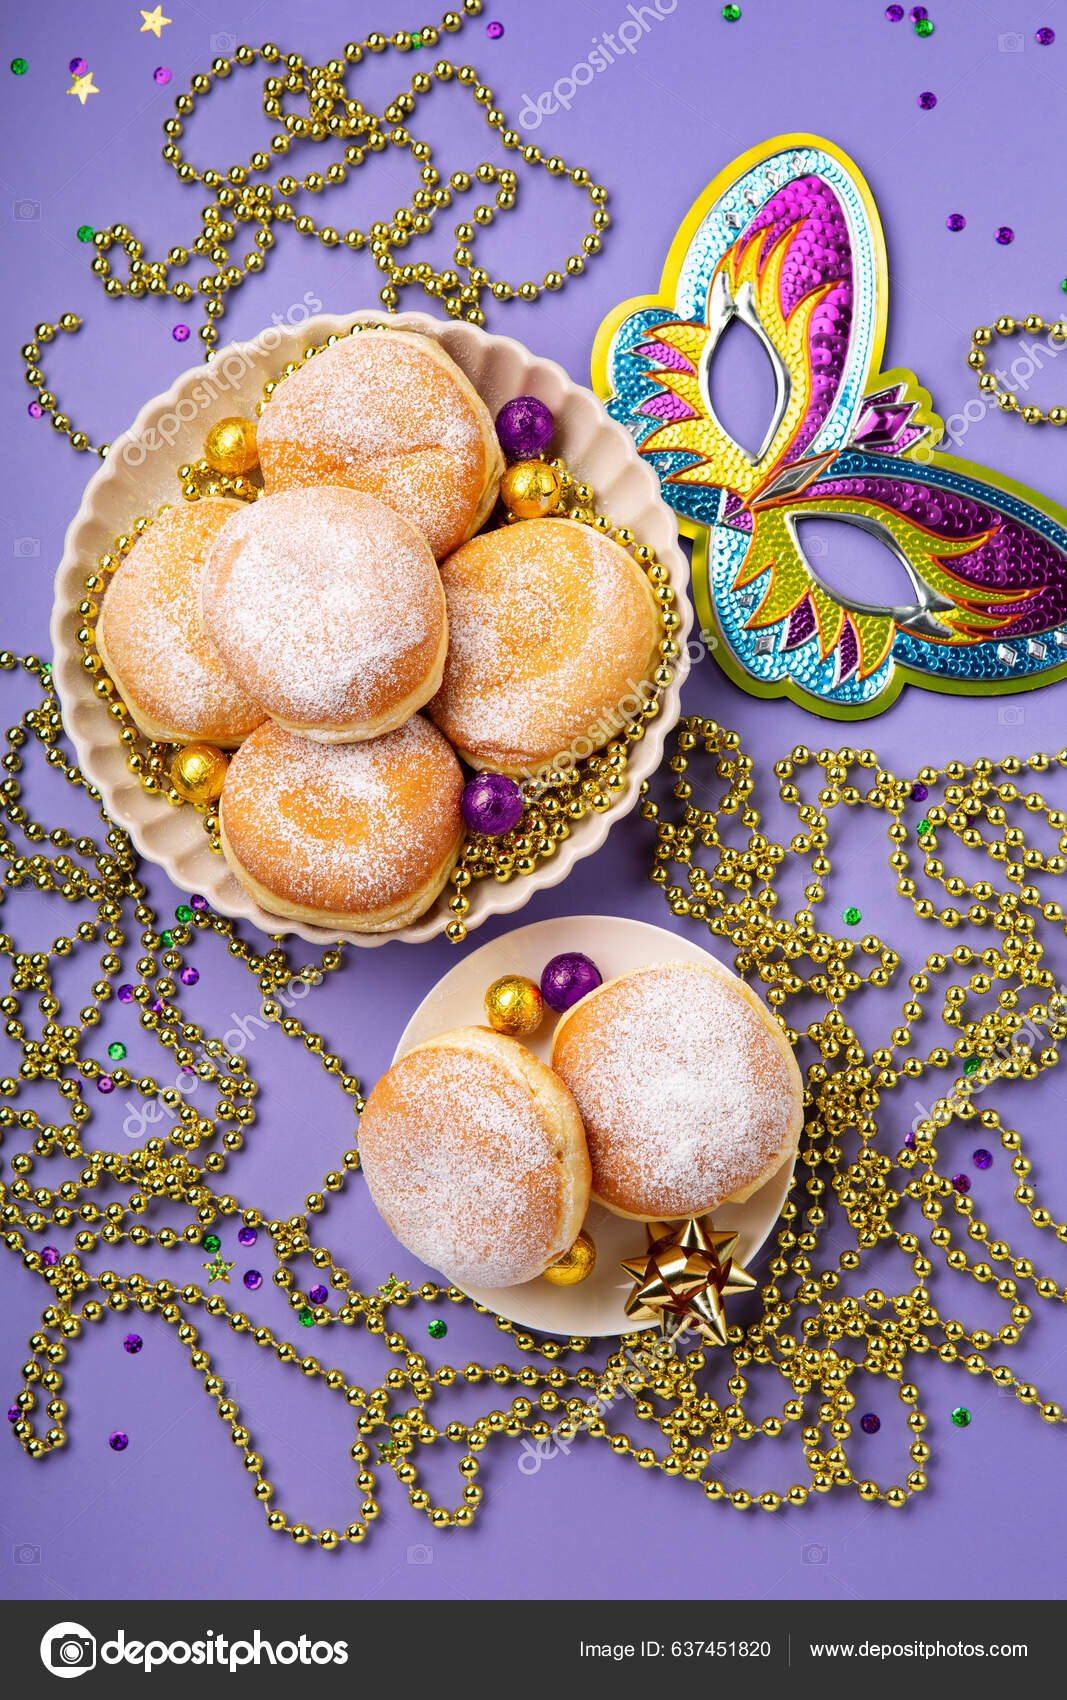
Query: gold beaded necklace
x=812, y=1335
x=332, y=117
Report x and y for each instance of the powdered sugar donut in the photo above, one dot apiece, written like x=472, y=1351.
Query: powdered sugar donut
x=388, y=412
x=151, y=635
x=688, y=1088
x=360, y=836
x=553, y=632
x=475, y=1156
x=330, y=607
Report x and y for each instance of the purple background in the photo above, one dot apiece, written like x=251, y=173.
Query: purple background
x=173, y=1515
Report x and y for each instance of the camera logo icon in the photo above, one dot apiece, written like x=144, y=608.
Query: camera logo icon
x=27, y=548
x=68, y=1649
x=420, y=1555
x=1011, y=715
x=1011, y=42
x=815, y=1553
x=222, y=45
x=27, y=209
x=26, y=1553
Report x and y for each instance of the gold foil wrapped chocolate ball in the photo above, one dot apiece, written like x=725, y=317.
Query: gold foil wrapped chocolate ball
x=574, y=1265
x=531, y=489
x=197, y=773
x=514, y=1005
x=231, y=447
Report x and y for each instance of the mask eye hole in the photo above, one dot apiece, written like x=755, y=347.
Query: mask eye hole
x=742, y=389
x=855, y=565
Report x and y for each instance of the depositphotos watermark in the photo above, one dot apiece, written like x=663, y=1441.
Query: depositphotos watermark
x=69, y=1649
x=235, y=1041
x=626, y=37
x=223, y=373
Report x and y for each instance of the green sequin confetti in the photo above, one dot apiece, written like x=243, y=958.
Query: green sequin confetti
x=116, y=1051
x=307, y=1317
x=972, y=1065
x=211, y=1242
x=925, y=26
x=85, y=233
x=20, y=67
x=167, y=938
x=183, y=913
x=961, y=1416
x=437, y=1329
x=923, y=828
x=853, y=917
x=731, y=13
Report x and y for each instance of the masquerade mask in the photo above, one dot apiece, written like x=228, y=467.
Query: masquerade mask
x=788, y=240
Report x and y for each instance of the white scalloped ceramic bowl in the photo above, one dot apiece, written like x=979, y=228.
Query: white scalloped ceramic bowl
x=140, y=474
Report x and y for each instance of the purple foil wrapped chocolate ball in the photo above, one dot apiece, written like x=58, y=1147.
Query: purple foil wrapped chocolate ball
x=491, y=804
x=525, y=427
x=567, y=978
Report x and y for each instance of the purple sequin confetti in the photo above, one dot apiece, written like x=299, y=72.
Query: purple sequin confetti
x=125, y=994
x=494, y=31
x=1005, y=235
x=1045, y=36
x=246, y=1236
x=197, y=901
x=955, y=221
x=318, y=1295
x=909, y=1140
x=918, y=13
x=919, y=793
x=190, y=976
x=894, y=13
x=35, y=410
x=118, y=1441
x=180, y=333
x=13, y=1413
x=962, y=1183
x=105, y=1084
x=132, y=1344
x=928, y=100
x=983, y=1159
x=161, y=74
x=49, y=1256
x=870, y=1424
x=252, y=1279
x=77, y=67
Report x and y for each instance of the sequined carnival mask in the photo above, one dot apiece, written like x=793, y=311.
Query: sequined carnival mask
x=788, y=241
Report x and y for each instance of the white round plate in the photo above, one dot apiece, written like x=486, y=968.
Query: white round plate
x=140, y=473
x=616, y=944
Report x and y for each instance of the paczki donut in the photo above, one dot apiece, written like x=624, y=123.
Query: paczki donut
x=689, y=1091
x=151, y=637
x=553, y=635
x=475, y=1156
x=390, y=413
x=358, y=836
x=330, y=607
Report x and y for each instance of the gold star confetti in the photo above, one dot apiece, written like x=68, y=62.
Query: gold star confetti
x=218, y=1270
x=83, y=87
x=686, y=1272
x=154, y=21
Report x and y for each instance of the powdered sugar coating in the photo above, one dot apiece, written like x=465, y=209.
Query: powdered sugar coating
x=343, y=829
x=389, y=413
x=688, y=1092
x=330, y=605
x=466, y=1161
x=152, y=633
x=552, y=632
